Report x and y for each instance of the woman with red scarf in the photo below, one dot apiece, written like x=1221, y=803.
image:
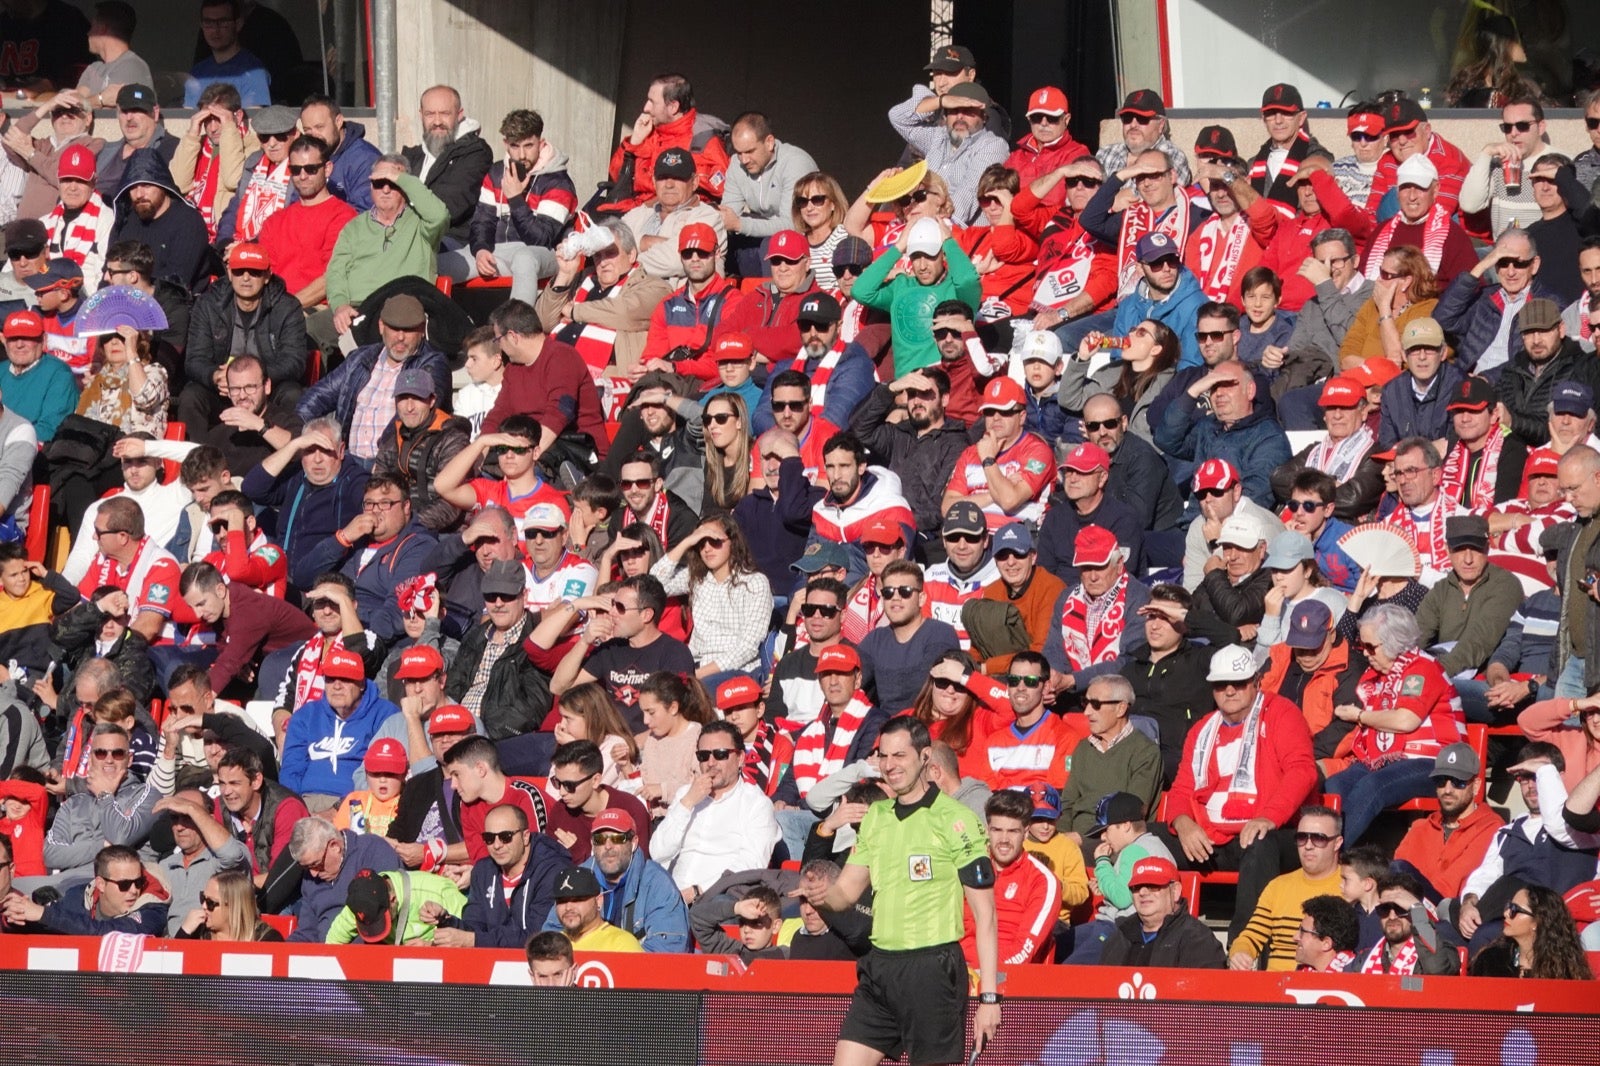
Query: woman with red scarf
x=1408, y=712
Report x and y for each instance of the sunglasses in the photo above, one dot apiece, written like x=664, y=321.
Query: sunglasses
x=1211, y=494
x=483, y=542
x=1592, y=122
x=1039, y=117
x=778, y=260
x=383, y=184
x=1522, y=777
x=569, y=786
x=123, y=884
x=1092, y=427
x=637, y=483
x=1025, y=680
x=1303, y=506
x=815, y=200
x=1514, y=909
x=501, y=597
x=277, y=136
x=1391, y=910
x=210, y=904
x=881, y=549
x=1516, y=264
x=1099, y=704
x=300, y=170
x=721, y=418
x=1137, y=120
x=990, y=200
x=322, y=603
x=248, y=272
x=1365, y=648
x=1080, y=182
x=812, y=610
x=963, y=538
x=17, y=253
x=503, y=837
x=1166, y=262
x=900, y=592
x=1316, y=840
x=944, y=684
x=1521, y=127
x=1213, y=335
x=1366, y=138
x=110, y=753
x=714, y=542
x=945, y=333
x=1450, y=783
x=606, y=836
x=515, y=449
x=853, y=269
x=543, y=534
x=1389, y=275
x=780, y=406
x=719, y=754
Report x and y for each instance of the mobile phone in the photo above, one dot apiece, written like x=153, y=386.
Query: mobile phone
x=521, y=168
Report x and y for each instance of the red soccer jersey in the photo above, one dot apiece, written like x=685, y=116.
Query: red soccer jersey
x=151, y=582
x=492, y=492
x=1027, y=899
x=1029, y=460
x=520, y=791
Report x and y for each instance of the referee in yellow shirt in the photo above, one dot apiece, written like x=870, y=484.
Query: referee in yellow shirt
x=924, y=855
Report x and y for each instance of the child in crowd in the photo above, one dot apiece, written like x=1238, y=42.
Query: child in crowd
x=735, y=356
x=1040, y=354
x=1263, y=323
x=24, y=803
x=760, y=917
x=372, y=809
x=674, y=709
x=30, y=598
x=1120, y=821
x=1064, y=858
x=477, y=383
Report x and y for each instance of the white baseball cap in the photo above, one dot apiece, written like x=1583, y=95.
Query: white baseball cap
x=1242, y=531
x=1418, y=170
x=1043, y=345
x=926, y=237
x=1233, y=663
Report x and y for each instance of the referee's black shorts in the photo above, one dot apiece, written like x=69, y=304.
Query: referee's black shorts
x=912, y=1002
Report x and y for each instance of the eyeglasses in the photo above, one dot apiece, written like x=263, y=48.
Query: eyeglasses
x=322, y=603
x=1409, y=472
x=1081, y=182
x=1389, y=275
x=1521, y=127
x=98, y=533
x=813, y=610
x=900, y=592
x=1508, y=262
x=300, y=170
x=1365, y=648
x=1024, y=680
x=570, y=786
x=515, y=449
x=1304, y=506
x=721, y=418
x=1039, y=118
x=815, y=200
x=1391, y=910
x=210, y=904
x=501, y=597
x=963, y=538
x=1514, y=909
x=946, y=333
x=695, y=253
x=1212, y=335
x=110, y=753
x=719, y=754
x=123, y=884
x=505, y=836
x=247, y=388
x=780, y=406
x=1303, y=931
x=1450, y=783
x=380, y=505
x=543, y=534
x=1093, y=427
x=881, y=549
x=1316, y=840
x=1365, y=138
x=606, y=837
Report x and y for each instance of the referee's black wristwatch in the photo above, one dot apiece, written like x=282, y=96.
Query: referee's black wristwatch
x=987, y=998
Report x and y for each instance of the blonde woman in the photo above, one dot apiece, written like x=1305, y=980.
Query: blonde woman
x=227, y=911
x=818, y=212
x=128, y=391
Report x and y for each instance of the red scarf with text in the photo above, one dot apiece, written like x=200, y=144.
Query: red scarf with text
x=1219, y=254
x=1092, y=629
x=1477, y=497
x=657, y=518
x=1430, y=547
x=268, y=191
x=1405, y=958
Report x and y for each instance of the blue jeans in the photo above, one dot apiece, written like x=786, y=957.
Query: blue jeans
x=795, y=824
x=1570, y=686
x=1072, y=333
x=1368, y=793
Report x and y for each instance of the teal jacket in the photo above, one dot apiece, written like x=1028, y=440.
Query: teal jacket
x=910, y=303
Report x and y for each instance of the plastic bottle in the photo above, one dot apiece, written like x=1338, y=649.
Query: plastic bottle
x=1425, y=101
x=1109, y=343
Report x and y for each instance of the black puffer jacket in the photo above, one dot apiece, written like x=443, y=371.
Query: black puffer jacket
x=420, y=454
x=278, y=335
x=1526, y=396
x=517, y=696
x=1184, y=941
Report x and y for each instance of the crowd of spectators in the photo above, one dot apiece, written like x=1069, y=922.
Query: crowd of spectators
x=1205, y=505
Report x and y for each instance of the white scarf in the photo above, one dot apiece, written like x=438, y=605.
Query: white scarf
x=1340, y=460
x=1435, y=228
x=1219, y=254
x=1243, y=784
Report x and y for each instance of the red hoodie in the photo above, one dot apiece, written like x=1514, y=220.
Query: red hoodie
x=27, y=834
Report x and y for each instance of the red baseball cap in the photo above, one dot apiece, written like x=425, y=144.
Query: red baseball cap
x=1095, y=546
x=838, y=659
x=733, y=348
x=248, y=257
x=1215, y=474
x=613, y=820
x=1003, y=394
x=883, y=531
x=1377, y=370
x=344, y=665
x=1047, y=101
x=451, y=718
x=699, y=236
x=386, y=756
x=418, y=663
x=1367, y=122
x=1086, y=458
x=738, y=691
x=788, y=244
x=76, y=163
x=1542, y=462
x=24, y=324
x=1153, y=871
x=1341, y=391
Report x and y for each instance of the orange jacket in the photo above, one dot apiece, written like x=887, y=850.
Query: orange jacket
x=1447, y=863
x=1316, y=702
x=1037, y=607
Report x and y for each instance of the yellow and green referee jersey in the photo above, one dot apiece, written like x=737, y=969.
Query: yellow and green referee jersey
x=917, y=853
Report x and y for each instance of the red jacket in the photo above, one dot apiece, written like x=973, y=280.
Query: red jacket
x=1062, y=240
x=1032, y=160
x=1287, y=242
x=1446, y=863
x=710, y=162
x=1012, y=280
x=1027, y=899
x=27, y=835
x=769, y=317
x=1446, y=158
x=1286, y=772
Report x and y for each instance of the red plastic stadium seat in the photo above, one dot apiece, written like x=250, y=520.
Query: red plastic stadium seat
x=501, y=282
x=444, y=284
x=283, y=923
x=1478, y=737
x=176, y=431
x=38, y=540
x=313, y=372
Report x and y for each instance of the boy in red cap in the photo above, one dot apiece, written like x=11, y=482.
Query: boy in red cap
x=372, y=809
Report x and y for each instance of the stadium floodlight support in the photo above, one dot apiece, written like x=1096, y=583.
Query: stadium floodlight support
x=386, y=71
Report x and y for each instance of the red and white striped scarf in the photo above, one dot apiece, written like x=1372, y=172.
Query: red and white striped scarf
x=308, y=679
x=819, y=376
x=1405, y=958
x=1219, y=254
x=657, y=518
x=864, y=612
x=1430, y=548
x=1435, y=228
x=1092, y=629
x=595, y=343
x=1239, y=805
x=1136, y=222
x=267, y=192
x=77, y=239
x=819, y=752
x=207, y=179
x=1340, y=459
x=765, y=756
x=1479, y=496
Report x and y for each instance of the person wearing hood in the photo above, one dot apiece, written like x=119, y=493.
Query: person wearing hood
x=139, y=118
x=126, y=896
x=152, y=211
x=351, y=154
x=254, y=314
x=328, y=737
x=523, y=207
x=452, y=159
x=1216, y=418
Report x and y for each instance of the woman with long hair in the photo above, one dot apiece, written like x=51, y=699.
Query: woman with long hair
x=1135, y=377
x=1406, y=289
x=1540, y=941
x=818, y=212
x=729, y=467
x=730, y=601
x=228, y=912
x=1003, y=253
x=959, y=705
x=587, y=713
x=633, y=551
x=1492, y=79
x=674, y=709
x=128, y=390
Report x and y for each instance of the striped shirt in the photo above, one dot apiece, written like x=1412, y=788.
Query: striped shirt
x=374, y=409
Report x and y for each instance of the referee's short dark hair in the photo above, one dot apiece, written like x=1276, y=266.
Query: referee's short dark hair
x=1009, y=803
x=916, y=731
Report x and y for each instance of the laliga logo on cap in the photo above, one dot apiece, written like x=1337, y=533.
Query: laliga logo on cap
x=593, y=974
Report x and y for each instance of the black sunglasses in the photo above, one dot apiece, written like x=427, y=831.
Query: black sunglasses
x=963, y=538
x=1081, y=182
x=501, y=597
x=1592, y=122
x=124, y=883
x=302, y=169
x=543, y=534
x=515, y=449
x=1208, y=334
x=569, y=786
x=812, y=610
x=695, y=253
x=1110, y=423
x=1507, y=261
x=1391, y=910
x=719, y=754
x=503, y=837
x=898, y=592
x=721, y=418
x=915, y=197
x=946, y=333
x=779, y=406
x=1303, y=506
x=853, y=269
x=815, y=200
x=1365, y=138
x=1521, y=127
